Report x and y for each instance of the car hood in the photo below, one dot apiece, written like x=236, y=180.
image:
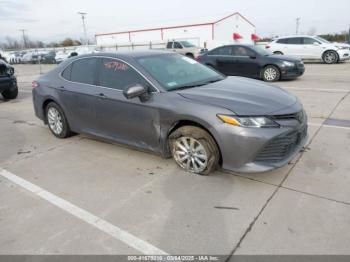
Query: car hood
x=243, y=96
x=284, y=58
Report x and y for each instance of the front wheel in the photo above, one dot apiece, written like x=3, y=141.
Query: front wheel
x=57, y=121
x=270, y=74
x=11, y=93
x=194, y=150
x=330, y=57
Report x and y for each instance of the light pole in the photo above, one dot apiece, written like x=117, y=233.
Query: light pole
x=24, y=37
x=83, y=18
x=297, y=26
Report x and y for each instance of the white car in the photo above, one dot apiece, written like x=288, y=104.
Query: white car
x=310, y=48
x=61, y=56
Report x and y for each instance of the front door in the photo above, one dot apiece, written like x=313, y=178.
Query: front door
x=133, y=121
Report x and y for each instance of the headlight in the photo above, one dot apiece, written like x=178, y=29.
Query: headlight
x=286, y=63
x=259, y=121
x=341, y=47
x=10, y=71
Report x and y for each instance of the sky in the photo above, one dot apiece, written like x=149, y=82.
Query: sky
x=52, y=20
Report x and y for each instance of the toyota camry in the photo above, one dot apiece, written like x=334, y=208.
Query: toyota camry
x=174, y=106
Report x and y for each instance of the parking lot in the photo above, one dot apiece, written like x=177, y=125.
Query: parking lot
x=84, y=196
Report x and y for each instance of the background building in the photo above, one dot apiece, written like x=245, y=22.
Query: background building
x=209, y=32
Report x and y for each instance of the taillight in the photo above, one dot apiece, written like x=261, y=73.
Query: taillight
x=198, y=58
x=35, y=84
x=267, y=46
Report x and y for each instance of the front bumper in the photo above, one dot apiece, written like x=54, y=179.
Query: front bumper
x=344, y=54
x=292, y=72
x=253, y=150
x=7, y=82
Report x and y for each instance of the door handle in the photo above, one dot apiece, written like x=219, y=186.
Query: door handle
x=101, y=95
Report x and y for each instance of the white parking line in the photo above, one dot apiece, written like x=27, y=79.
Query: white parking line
x=316, y=89
x=84, y=215
x=330, y=126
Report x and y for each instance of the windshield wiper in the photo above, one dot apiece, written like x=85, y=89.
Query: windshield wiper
x=198, y=84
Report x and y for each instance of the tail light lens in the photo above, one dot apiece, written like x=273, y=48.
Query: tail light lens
x=35, y=84
x=267, y=46
x=198, y=58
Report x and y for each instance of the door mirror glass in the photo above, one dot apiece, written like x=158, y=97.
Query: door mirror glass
x=134, y=91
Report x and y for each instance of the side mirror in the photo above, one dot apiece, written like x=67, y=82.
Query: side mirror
x=135, y=91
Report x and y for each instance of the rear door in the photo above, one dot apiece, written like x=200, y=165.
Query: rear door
x=223, y=60
x=78, y=94
x=128, y=121
x=294, y=47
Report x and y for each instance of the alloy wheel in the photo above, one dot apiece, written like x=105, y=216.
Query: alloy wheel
x=190, y=154
x=55, y=120
x=330, y=57
x=270, y=74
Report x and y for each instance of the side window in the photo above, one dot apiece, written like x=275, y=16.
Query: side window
x=84, y=71
x=282, y=41
x=225, y=50
x=118, y=75
x=241, y=51
x=66, y=73
x=295, y=41
x=309, y=41
x=169, y=45
x=177, y=45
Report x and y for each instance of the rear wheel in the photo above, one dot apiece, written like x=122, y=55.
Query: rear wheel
x=190, y=55
x=57, y=121
x=270, y=73
x=194, y=150
x=330, y=57
x=11, y=93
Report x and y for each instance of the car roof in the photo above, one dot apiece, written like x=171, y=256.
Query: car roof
x=128, y=54
x=294, y=36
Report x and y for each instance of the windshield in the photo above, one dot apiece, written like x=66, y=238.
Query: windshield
x=262, y=51
x=322, y=40
x=187, y=44
x=174, y=71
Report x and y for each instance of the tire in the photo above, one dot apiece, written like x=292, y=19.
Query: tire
x=278, y=53
x=57, y=121
x=11, y=93
x=190, y=55
x=204, y=150
x=330, y=57
x=270, y=73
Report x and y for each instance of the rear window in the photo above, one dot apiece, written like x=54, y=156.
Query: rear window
x=66, y=73
x=295, y=41
x=84, y=71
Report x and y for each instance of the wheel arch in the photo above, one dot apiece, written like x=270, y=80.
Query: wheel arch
x=270, y=64
x=331, y=50
x=184, y=122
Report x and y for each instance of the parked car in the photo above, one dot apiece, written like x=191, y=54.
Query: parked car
x=252, y=61
x=310, y=48
x=172, y=105
x=61, y=56
x=184, y=47
x=83, y=50
x=48, y=58
x=8, y=82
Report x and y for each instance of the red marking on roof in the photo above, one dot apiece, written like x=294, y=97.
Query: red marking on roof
x=179, y=26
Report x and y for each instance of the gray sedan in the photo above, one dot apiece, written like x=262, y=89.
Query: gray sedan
x=174, y=106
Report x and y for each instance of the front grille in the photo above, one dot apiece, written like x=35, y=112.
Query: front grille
x=281, y=147
x=300, y=116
